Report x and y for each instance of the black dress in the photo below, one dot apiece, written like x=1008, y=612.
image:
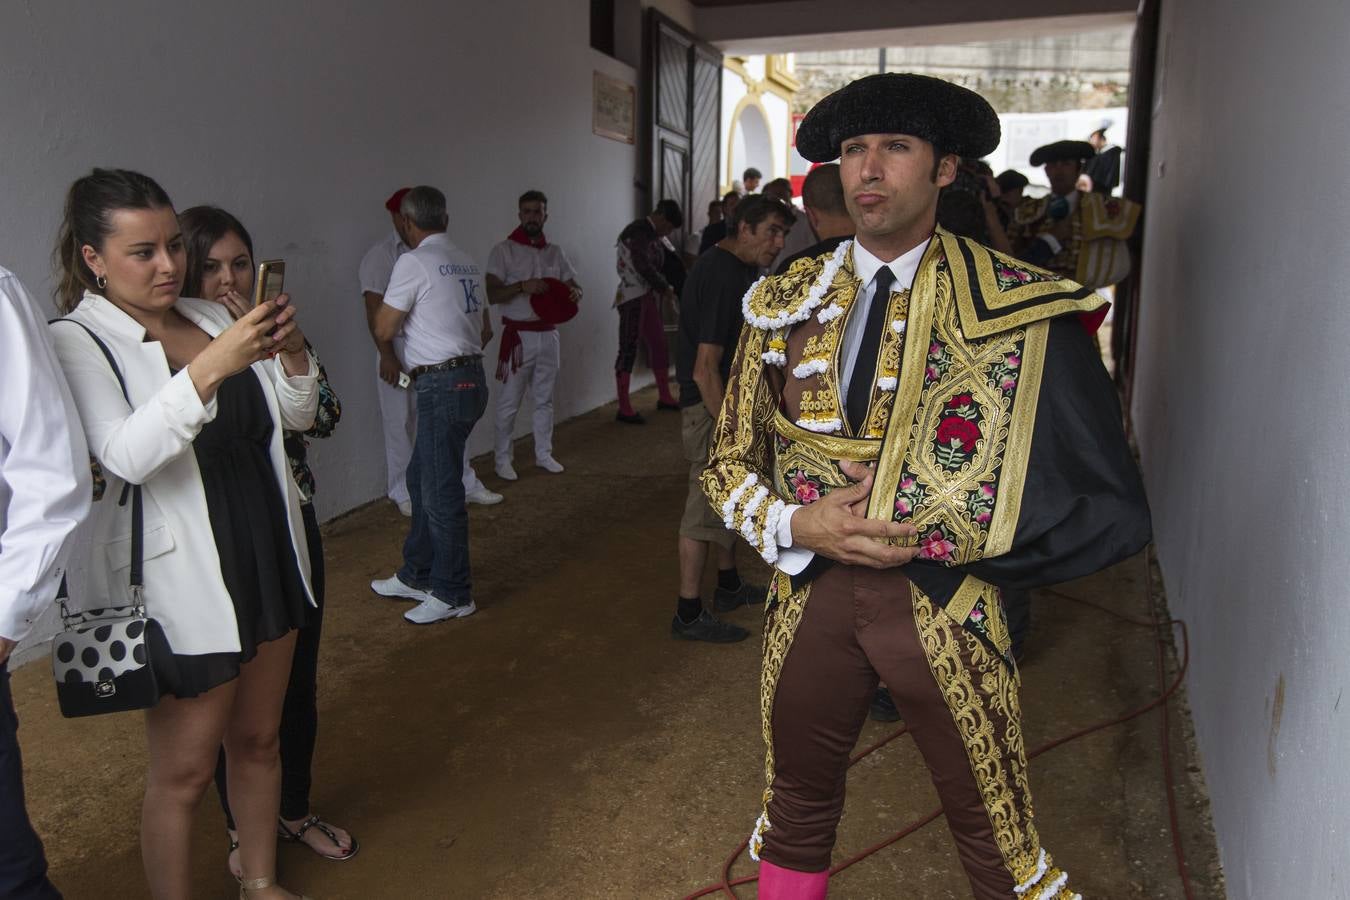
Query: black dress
x=253, y=539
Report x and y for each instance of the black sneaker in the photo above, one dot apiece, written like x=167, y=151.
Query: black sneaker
x=707, y=628
x=883, y=708
x=745, y=595
x=634, y=419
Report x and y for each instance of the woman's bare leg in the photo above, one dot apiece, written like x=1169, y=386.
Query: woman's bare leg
x=182, y=738
x=253, y=760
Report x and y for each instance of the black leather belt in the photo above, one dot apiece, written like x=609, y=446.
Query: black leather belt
x=457, y=362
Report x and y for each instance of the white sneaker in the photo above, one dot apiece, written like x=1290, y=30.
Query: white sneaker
x=549, y=464
x=394, y=588
x=482, y=495
x=506, y=470
x=405, y=507
x=433, y=610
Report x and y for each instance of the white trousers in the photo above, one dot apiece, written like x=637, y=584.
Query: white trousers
x=538, y=372
x=398, y=409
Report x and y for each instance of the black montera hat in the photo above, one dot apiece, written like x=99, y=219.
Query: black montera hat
x=952, y=118
x=1079, y=150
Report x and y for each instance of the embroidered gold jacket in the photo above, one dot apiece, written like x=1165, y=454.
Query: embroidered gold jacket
x=1095, y=254
x=995, y=428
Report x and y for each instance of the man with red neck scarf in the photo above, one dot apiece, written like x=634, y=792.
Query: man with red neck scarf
x=517, y=270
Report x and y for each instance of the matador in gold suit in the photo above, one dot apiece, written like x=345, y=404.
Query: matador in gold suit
x=965, y=380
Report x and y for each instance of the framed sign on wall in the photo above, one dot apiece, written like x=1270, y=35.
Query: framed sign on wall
x=613, y=109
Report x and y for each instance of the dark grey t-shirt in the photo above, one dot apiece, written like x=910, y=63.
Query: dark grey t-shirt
x=710, y=313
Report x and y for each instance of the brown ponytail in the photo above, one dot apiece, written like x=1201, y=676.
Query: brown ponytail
x=87, y=220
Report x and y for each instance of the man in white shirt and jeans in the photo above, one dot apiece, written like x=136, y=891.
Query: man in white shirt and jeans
x=530, y=349
x=436, y=302
x=44, y=494
x=397, y=409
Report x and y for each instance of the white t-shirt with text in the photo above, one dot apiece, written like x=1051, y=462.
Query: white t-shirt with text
x=441, y=289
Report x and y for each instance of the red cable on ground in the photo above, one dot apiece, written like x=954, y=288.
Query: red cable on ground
x=727, y=885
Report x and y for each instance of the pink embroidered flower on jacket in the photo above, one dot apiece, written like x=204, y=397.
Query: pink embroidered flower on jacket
x=931, y=374
x=987, y=490
x=1013, y=360
x=983, y=518
x=977, y=615
x=936, y=546
x=935, y=349
x=803, y=489
x=1007, y=384
x=902, y=506
x=906, y=483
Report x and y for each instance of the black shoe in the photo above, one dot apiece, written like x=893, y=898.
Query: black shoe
x=661, y=404
x=634, y=419
x=883, y=707
x=707, y=628
x=745, y=595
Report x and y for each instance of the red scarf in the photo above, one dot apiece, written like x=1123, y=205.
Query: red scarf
x=520, y=237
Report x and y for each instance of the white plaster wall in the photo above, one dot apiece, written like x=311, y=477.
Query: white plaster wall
x=1243, y=422
x=301, y=118
x=745, y=143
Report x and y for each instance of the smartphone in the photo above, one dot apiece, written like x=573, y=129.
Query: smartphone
x=271, y=276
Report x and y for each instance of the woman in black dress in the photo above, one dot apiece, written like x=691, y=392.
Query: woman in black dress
x=220, y=268
x=226, y=566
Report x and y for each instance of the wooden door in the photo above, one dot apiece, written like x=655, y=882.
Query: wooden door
x=683, y=133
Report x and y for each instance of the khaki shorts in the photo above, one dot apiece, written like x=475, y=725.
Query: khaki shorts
x=700, y=522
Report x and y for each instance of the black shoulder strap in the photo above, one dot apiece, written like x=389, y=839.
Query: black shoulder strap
x=137, y=514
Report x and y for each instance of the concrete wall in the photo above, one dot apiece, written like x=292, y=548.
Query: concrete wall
x=301, y=118
x=1243, y=423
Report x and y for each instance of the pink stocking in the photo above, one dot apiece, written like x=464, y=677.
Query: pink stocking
x=777, y=883
x=654, y=335
x=621, y=380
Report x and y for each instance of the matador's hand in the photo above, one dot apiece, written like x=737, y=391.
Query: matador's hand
x=836, y=526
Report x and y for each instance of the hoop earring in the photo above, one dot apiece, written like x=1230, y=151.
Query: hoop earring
x=101, y=281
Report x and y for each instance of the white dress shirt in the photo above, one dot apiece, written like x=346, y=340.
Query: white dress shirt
x=511, y=262
x=792, y=560
x=378, y=263
x=44, y=465
x=441, y=289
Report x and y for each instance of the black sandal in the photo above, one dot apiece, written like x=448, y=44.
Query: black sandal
x=284, y=833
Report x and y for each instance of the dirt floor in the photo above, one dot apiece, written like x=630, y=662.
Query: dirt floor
x=560, y=744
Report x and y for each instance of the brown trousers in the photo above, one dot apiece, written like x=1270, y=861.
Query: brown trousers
x=860, y=625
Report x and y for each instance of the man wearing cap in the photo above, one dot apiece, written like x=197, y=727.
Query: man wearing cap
x=910, y=421
x=397, y=408
x=1103, y=170
x=1011, y=183
x=436, y=303
x=1078, y=234
x=519, y=271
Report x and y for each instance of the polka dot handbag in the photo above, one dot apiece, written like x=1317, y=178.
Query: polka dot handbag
x=101, y=659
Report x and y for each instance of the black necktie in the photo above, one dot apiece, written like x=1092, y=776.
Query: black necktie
x=865, y=368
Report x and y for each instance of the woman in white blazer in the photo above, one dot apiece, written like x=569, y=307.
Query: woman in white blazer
x=226, y=569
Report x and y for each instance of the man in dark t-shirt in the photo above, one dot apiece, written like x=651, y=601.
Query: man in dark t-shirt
x=710, y=327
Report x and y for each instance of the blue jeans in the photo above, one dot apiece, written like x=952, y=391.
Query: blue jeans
x=23, y=867
x=436, y=553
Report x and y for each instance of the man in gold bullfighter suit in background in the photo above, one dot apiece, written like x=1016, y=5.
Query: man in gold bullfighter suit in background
x=912, y=420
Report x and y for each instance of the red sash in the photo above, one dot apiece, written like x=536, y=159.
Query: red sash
x=512, y=352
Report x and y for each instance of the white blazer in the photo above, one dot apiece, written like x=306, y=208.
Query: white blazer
x=150, y=443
